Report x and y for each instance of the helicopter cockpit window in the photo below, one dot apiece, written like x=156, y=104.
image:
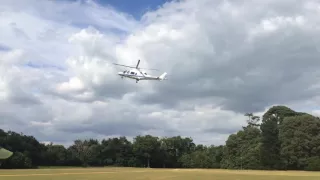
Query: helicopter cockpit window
x=132, y=72
x=124, y=72
x=145, y=73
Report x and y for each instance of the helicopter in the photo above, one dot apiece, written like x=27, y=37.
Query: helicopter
x=137, y=74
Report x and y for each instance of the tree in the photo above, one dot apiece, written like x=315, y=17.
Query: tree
x=82, y=150
x=313, y=164
x=300, y=140
x=146, y=148
x=117, y=151
x=270, y=144
x=284, y=140
x=56, y=155
x=17, y=161
x=253, y=120
x=242, y=150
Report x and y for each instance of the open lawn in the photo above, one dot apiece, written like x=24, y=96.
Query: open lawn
x=152, y=174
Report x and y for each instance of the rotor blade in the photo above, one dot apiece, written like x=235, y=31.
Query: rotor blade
x=123, y=65
x=135, y=67
x=138, y=64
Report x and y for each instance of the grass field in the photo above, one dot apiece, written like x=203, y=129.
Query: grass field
x=152, y=174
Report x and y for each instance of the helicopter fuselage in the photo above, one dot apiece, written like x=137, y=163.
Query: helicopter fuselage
x=140, y=75
x=135, y=74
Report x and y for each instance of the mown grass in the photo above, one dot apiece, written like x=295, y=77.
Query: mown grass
x=152, y=174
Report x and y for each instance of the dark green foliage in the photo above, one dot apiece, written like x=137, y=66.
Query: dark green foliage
x=285, y=139
x=299, y=137
x=242, y=150
x=270, y=143
x=313, y=164
x=17, y=161
x=202, y=157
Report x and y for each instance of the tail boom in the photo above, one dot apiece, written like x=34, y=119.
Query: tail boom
x=162, y=76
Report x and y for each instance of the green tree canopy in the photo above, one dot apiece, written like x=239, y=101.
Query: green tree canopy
x=284, y=139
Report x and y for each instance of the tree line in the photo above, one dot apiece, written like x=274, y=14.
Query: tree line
x=282, y=139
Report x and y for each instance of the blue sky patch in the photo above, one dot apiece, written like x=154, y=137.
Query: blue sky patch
x=136, y=8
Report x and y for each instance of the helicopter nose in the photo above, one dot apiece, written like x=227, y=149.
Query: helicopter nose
x=119, y=73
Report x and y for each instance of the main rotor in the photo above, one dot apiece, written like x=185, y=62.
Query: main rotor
x=135, y=67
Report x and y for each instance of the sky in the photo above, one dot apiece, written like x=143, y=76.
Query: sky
x=134, y=8
x=223, y=59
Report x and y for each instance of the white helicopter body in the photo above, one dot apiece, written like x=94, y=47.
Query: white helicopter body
x=137, y=74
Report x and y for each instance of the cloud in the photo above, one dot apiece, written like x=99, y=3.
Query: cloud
x=239, y=54
x=223, y=59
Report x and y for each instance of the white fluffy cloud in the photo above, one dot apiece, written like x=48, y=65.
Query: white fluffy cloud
x=223, y=58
